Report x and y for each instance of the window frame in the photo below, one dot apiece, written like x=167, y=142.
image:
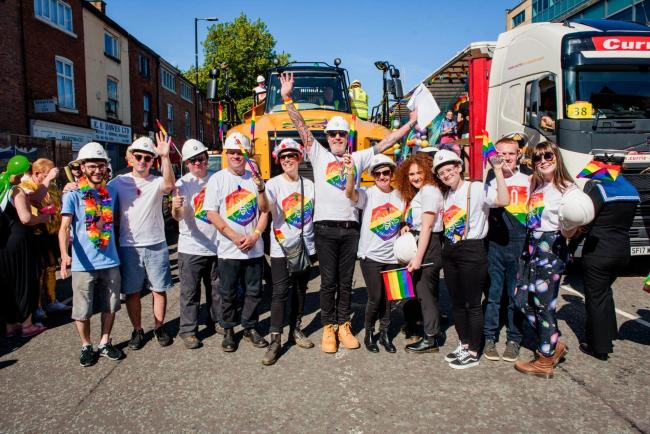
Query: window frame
x=170, y=119
x=143, y=60
x=146, y=111
x=115, y=101
x=115, y=46
x=164, y=71
x=69, y=62
x=188, y=125
x=67, y=16
x=188, y=88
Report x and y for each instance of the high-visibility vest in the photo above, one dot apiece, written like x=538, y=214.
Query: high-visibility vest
x=359, y=102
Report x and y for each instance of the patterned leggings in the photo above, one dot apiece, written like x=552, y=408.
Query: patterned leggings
x=538, y=283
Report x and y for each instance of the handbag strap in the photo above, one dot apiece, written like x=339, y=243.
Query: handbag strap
x=302, y=209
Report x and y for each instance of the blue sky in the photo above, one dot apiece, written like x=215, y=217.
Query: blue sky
x=416, y=36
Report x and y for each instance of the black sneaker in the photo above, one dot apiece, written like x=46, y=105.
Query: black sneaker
x=464, y=360
x=137, y=339
x=162, y=337
x=454, y=354
x=490, y=350
x=87, y=356
x=109, y=351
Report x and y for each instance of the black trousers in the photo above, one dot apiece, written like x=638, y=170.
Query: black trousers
x=337, y=253
x=599, y=273
x=377, y=306
x=426, y=281
x=248, y=272
x=193, y=269
x=285, y=285
x=465, y=265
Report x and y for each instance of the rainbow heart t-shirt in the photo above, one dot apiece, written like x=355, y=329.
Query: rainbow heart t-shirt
x=385, y=220
x=199, y=212
x=241, y=206
x=336, y=175
x=455, y=219
x=518, y=207
x=535, y=210
x=291, y=207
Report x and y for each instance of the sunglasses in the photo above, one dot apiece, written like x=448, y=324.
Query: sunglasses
x=197, y=160
x=548, y=156
x=289, y=156
x=140, y=157
x=333, y=134
x=95, y=167
x=385, y=172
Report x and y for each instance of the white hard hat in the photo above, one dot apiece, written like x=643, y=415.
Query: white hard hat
x=405, y=248
x=380, y=160
x=192, y=148
x=576, y=209
x=260, y=79
x=144, y=144
x=92, y=151
x=337, y=123
x=287, y=145
x=445, y=156
x=235, y=139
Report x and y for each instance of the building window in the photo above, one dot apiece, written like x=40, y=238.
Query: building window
x=56, y=12
x=143, y=66
x=200, y=104
x=146, y=110
x=112, y=102
x=519, y=18
x=65, y=82
x=201, y=131
x=186, y=91
x=188, y=125
x=111, y=46
x=170, y=118
x=168, y=80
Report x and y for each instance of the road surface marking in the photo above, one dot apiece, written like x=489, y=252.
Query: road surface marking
x=618, y=311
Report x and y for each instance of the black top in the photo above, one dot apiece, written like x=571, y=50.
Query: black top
x=12, y=231
x=615, y=204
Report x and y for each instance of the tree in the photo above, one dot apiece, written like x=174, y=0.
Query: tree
x=247, y=48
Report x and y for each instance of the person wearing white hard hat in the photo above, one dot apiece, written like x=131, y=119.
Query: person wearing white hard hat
x=197, y=245
x=291, y=199
x=506, y=238
x=464, y=257
x=143, y=247
x=423, y=219
x=605, y=255
x=88, y=213
x=260, y=89
x=237, y=207
x=382, y=208
x=335, y=216
x=544, y=258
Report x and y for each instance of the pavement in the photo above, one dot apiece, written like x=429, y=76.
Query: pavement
x=43, y=388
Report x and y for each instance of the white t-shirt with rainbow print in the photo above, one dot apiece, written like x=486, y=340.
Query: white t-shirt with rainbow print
x=382, y=214
x=196, y=235
x=235, y=198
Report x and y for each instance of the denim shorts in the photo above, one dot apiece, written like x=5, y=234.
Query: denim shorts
x=151, y=262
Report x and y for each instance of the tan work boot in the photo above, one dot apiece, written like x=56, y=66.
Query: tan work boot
x=329, y=344
x=540, y=366
x=560, y=351
x=346, y=338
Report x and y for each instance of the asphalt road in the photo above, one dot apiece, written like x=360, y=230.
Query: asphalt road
x=172, y=389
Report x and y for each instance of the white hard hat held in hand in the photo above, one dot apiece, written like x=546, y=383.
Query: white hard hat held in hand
x=405, y=248
x=576, y=209
x=192, y=148
x=92, y=151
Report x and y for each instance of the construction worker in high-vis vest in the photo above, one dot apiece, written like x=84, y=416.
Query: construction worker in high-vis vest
x=358, y=100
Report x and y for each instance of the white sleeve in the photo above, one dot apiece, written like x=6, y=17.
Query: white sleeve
x=363, y=198
x=211, y=200
x=315, y=151
x=271, y=193
x=431, y=199
x=490, y=193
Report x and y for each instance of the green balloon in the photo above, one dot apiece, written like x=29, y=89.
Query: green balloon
x=18, y=164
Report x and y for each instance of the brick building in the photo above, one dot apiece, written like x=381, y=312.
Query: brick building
x=12, y=79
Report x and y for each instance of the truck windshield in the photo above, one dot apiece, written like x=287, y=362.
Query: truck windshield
x=310, y=91
x=612, y=93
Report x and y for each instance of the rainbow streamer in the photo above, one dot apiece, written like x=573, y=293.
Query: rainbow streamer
x=398, y=284
x=247, y=158
x=598, y=170
x=352, y=133
x=220, y=122
x=489, y=150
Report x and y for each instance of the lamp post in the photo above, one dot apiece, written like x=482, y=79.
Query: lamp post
x=196, y=70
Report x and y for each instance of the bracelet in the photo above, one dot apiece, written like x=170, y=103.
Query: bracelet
x=288, y=101
x=262, y=190
x=258, y=232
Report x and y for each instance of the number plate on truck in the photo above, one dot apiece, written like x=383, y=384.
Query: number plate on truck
x=638, y=251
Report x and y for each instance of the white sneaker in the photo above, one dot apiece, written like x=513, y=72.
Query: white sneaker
x=454, y=354
x=464, y=360
x=57, y=306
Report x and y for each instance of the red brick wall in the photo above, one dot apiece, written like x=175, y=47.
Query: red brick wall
x=42, y=43
x=12, y=100
x=180, y=107
x=141, y=85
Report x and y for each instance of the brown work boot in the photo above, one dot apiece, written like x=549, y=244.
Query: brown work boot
x=346, y=338
x=329, y=344
x=560, y=351
x=540, y=366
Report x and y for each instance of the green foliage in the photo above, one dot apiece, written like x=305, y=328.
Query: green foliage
x=247, y=48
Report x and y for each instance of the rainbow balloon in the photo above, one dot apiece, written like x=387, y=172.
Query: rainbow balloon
x=398, y=284
x=600, y=171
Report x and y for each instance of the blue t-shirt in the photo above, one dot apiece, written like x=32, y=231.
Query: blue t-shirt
x=85, y=256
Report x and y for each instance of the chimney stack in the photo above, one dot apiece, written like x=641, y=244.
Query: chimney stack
x=99, y=5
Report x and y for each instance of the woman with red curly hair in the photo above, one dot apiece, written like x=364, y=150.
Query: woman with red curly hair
x=423, y=217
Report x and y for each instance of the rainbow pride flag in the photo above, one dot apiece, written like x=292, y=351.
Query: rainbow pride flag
x=220, y=122
x=489, y=150
x=352, y=133
x=398, y=284
x=600, y=171
x=253, y=127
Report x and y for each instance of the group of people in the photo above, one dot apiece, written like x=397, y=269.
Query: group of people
x=502, y=235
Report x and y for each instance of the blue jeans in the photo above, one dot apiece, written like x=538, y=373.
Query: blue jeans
x=502, y=267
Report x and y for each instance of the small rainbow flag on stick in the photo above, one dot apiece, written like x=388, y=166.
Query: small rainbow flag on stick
x=489, y=150
x=164, y=131
x=247, y=158
x=253, y=126
x=398, y=284
x=352, y=133
x=600, y=171
x=220, y=122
